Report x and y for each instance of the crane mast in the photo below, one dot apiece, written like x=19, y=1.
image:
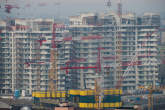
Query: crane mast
x=119, y=44
x=38, y=56
x=52, y=86
x=108, y=3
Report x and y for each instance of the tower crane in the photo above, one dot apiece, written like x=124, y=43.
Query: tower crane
x=92, y=37
x=119, y=75
x=53, y=72
x=98, y=79
x=52, y=86
x=119, y=44
x=74, y=60
x=108, y=3
x=83, y=38
x=37, y=50
x=8, y=8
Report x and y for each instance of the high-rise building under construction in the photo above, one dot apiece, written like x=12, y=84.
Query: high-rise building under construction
x=135, y=38
x=25, y=54
x=117, y=49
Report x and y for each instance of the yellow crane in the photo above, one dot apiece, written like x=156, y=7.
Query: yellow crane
x=119, y=45
x=53, y=79
x=151, y=89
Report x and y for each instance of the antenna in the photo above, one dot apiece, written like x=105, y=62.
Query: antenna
x=108, y=3
x=119, y=6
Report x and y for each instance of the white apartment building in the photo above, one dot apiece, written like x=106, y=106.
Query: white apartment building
x=138, y=44
x=22, y=55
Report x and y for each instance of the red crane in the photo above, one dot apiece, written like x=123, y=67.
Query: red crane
x=98, y=65
x=75, y=67
x=91, y=37
x=27, y=64
x=70, y=38
x=33, y=62
x=53, y=75
x=8, y=7
x=41, y=41
x=110, y=57
x=74, y=60
x=82, y=67
x=42, y=4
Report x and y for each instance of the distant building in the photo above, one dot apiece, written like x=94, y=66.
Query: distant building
x=163, y=31
x=162, y=64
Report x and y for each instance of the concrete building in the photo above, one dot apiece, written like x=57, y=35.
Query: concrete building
x=94, y=38
x=163, y=31
x=24, y=55
x=139, y=41
x=162, y=64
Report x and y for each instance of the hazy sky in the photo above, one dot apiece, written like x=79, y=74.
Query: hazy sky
x=64, y=8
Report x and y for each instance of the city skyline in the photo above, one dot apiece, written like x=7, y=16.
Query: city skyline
x=63, y=9
x=60, y=54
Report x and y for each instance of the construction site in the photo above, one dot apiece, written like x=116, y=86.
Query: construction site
x=99, y=61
